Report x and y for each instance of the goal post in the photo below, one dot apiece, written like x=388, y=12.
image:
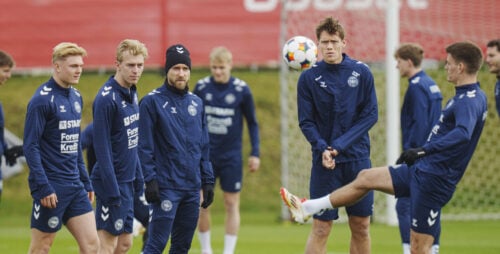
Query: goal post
x=393, y=125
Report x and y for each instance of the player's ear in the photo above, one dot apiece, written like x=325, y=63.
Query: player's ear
x=461, y=67
x=57, y=67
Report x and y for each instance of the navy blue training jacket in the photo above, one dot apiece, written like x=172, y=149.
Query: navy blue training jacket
x=52, y=139
x=115, y=138
x=225, y=107
x=173, y=141
x=420, y=111
x=337, y=106
x=454, y=138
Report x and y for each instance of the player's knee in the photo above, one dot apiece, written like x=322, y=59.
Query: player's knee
x=322, y=229
x=41, y=248
x=91, y=248
x=124, y=246
x=363, y=180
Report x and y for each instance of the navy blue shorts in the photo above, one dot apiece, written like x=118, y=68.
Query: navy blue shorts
x=73, y=200
x=230, y=174
x=428, y=194
x=116, y=219
x=324, y=181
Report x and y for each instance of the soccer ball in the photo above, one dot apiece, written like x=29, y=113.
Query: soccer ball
x=300, y=53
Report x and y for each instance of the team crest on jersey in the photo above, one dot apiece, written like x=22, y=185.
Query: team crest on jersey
x=353, y=81
x=53, y=222
x=230, y=98
x=78, y=108
x=209, y=96
x=118, y=224
x=192, y=110
x=166, y=205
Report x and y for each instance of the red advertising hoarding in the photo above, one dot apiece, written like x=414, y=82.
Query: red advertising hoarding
x=249, y=28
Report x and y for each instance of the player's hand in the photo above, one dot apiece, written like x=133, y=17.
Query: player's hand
x=208, y=195
x=329, y=158
x=49, y=201
x=253, y=163
x=410, y=156
x=152, y=191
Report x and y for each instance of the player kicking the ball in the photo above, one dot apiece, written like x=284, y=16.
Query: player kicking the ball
x=428, y=174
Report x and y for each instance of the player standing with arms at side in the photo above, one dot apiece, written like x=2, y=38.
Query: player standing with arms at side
x=174, y=152
x=337, y=106
x=141, y=207
x=117, y=174
x=227, y=101
x=59, y=183
x=421, y=110
x=429, y=174
x=11, y=154
x=493, y=62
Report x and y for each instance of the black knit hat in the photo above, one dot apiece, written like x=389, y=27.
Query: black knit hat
x=177, y=54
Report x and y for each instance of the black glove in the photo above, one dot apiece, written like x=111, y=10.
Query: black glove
x=152, y=191
x=208, y=195
x=12, y=154
x=411, y=155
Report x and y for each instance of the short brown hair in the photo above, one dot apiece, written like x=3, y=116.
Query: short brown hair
x=494, y=43
x=331, y=26
x=467, y=53
x=410, y=51
x=6, y=59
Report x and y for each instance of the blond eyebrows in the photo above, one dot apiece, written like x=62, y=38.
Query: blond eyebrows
x=134, y=47
x=221, y=54
x=64, y=49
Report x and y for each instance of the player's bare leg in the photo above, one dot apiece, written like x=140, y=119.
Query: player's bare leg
x=124, y=244
x=232, y=205
x=360, y=235
x=204, y=222
x=40, y=241
x=83, y=229
x=318, y=238
x=421, y=243
x=108, y=242
x=367, y=180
